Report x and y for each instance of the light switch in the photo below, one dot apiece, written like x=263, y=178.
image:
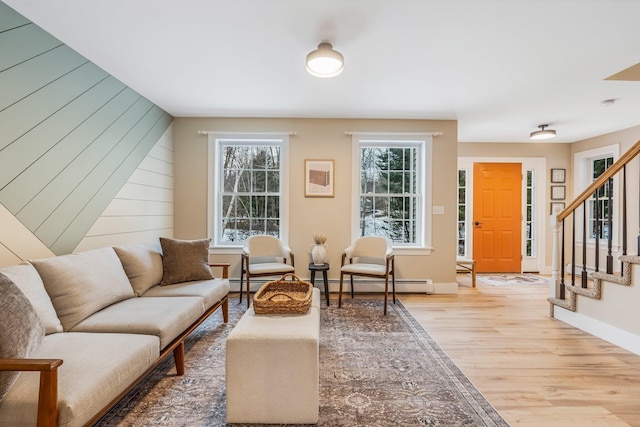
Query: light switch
x=438, y=210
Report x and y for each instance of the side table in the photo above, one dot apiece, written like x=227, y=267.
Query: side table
x=324, y=268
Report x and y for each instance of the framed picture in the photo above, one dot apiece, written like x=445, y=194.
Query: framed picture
x=318, y=178
x=556, y=205
x=557, y=192
x=558, y=175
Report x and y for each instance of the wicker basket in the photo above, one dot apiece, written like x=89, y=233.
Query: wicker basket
x=283, y=296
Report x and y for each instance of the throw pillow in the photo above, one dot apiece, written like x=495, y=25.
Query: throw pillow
x=185, y=260
x=21, y=331
x=143, y=264
x=81, y=284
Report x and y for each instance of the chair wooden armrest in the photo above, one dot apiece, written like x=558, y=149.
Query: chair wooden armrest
x=224, y=266
x=48, y=394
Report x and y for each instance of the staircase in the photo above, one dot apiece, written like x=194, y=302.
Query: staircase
x=573, y=247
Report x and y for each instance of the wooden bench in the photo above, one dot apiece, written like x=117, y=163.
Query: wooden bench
x=468, y=265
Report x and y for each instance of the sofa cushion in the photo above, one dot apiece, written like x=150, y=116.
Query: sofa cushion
x=83, y=283
x=143, y=264
x=185, y=260
x=165, y=318
x=21, y=331
x=211, y=291
x=96, y=368
x=28, y=280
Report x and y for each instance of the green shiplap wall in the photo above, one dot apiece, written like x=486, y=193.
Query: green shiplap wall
x=70, y=133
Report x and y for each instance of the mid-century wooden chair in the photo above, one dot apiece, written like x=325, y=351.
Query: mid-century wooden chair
x=369, y=256
x=263, y=256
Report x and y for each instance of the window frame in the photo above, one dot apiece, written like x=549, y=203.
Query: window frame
x=424, y=143
x=216, y=142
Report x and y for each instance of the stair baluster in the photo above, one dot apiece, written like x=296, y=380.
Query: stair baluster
x=610, y=226
x=584, y=276
x=624, y=217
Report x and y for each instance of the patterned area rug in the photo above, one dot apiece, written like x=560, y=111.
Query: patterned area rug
x=375, y=371
x=513, y=279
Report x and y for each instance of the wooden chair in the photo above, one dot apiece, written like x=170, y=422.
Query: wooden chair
x=373, y=257
x=262, y=256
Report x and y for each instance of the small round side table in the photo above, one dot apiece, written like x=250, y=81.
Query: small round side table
x=324, y=268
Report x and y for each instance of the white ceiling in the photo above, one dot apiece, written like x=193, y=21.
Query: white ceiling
x=500, y=67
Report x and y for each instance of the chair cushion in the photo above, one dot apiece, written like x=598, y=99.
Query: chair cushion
x=21, y=331
x=359, y=268
x=185, y=260
x=28, y=280
x=270, y=267
x=83, y=283
x=143, y=264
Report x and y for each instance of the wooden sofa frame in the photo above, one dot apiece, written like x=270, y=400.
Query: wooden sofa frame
x=48, y=368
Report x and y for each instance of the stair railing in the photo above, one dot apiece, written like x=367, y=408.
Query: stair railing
x=595, y=189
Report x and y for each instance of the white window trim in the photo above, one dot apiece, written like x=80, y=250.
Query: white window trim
x=582, y=179
x=215, y=141
x=425, y=180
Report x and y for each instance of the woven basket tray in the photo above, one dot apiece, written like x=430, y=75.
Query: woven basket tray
x=283, y=296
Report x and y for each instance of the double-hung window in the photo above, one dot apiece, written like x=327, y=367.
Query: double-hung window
x=599, y=210
x=391, y=193
x=250, y=187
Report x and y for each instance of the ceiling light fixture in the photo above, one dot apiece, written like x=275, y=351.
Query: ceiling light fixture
x=543, y=133
x=325, y=62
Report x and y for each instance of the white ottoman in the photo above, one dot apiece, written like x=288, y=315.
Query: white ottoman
x=273, y=368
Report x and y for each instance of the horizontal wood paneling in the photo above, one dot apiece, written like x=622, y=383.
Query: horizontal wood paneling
x=71, y=136
x=144, y=192
x=131, y=208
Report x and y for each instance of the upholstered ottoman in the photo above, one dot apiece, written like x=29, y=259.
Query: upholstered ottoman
x=273, y=368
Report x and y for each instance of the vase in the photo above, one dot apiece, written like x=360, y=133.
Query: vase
x=319, y=254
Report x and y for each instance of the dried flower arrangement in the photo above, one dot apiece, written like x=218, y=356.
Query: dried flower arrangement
x=319, y=238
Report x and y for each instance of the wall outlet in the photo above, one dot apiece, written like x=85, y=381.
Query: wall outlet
x=438, y=210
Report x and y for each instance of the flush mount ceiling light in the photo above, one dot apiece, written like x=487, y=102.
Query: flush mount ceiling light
x=543, y=133
x=325, y=62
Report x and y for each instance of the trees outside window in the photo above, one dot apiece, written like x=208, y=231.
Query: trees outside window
x=248, y=189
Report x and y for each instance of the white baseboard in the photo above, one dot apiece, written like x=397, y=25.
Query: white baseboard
x=402, y=286
x=599, y=329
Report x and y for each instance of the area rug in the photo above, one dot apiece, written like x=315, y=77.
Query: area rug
x=375, y=371
x=513, y=279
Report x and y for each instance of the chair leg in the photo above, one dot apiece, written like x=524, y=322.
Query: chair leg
x=386, y=292
x=351, y=277
x=340, y=293
x=241, y=281
x=393, y=285
x=248, y=291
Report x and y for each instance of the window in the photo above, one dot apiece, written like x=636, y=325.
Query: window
x=462, y=213
x=391, y=196
x=249, y=188
x=599, y=211
x=530, y=219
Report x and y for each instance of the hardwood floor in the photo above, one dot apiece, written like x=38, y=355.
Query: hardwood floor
x=535, y=370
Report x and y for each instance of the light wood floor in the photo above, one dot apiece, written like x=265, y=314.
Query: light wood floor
x=535, y=370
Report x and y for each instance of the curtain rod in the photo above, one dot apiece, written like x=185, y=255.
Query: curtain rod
x=352, y=132
x=213, y=132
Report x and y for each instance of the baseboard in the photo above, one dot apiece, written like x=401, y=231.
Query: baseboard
x=402, y=286
x=599, y=329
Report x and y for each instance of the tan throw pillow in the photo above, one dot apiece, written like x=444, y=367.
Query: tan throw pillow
x=143, y=264
x=21, y=331
x=81, y=284
x=185, y=260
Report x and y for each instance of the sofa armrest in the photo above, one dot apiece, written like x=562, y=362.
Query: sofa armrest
x=48, y=395
x=224, y=266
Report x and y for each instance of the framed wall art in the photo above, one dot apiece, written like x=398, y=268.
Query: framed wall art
x=318, y=178
x=557, y=192
x=556, y=205
x=558, y=175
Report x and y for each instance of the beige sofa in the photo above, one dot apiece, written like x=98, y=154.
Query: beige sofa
x=81, y=330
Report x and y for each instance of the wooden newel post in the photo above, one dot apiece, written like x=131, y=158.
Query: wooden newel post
x=554, y=286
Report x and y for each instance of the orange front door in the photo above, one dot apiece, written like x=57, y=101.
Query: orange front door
x=497, y=217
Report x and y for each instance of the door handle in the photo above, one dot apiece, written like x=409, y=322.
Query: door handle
x=477, y=223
